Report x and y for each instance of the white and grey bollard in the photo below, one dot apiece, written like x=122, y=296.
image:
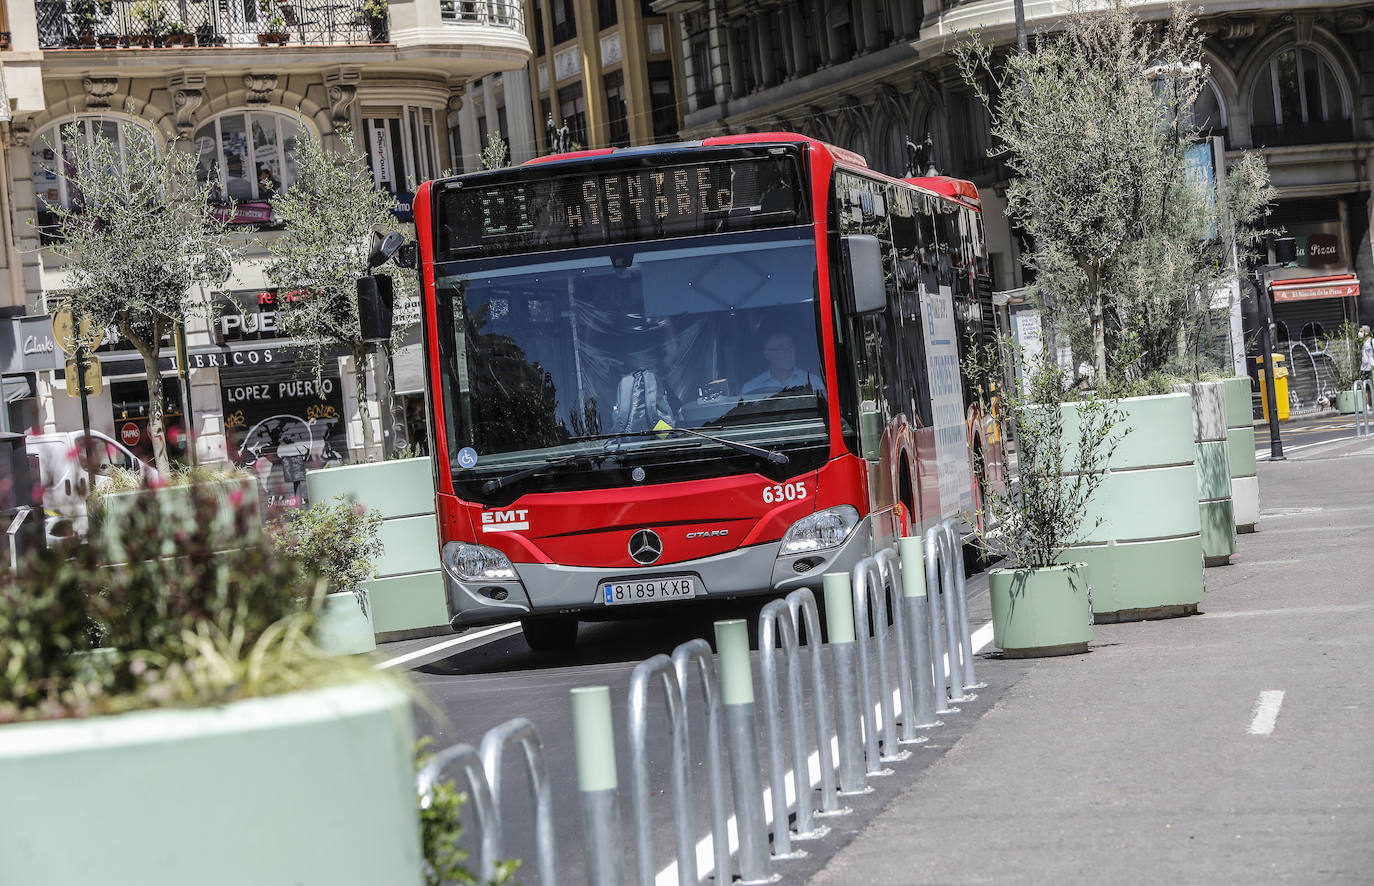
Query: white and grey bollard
x=935, y=629
x=594, y=741
x=839, y=624
x=961, y=597
x=914, y=612
x=777, y=629
x=737, y=694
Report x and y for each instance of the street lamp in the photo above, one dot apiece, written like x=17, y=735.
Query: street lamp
x=1285, y=253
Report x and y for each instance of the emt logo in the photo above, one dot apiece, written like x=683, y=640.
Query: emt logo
x=505, y=521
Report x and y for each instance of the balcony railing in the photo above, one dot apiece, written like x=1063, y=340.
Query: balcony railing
x=491, y=13
x=1316, y=133
x=110, y=24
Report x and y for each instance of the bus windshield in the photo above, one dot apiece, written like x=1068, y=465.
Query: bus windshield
x=602, y=350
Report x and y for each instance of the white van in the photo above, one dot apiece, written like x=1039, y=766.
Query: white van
x=63, y=475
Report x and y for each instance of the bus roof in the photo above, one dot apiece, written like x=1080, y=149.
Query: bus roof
x=956, y=189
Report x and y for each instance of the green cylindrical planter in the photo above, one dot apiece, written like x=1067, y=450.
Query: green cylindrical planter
x=1145, y=555
x=1040, y=612
x=343, y=625
x=309, y=787
x=1215, y=511
x=1345, y=402
x=1240, y=439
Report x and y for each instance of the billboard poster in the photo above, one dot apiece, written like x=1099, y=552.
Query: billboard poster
x=947, y=402
x=280, y=421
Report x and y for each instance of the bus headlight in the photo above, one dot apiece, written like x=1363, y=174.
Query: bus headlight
x=469, y=562
x=823, y=529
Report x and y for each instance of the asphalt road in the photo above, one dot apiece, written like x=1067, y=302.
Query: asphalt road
x=1305, y=432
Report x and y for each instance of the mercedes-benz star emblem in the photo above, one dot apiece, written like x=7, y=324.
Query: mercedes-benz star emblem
x=646, y=547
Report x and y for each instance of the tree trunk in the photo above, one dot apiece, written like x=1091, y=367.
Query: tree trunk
x=1099, y=333
x=364, y=414
x=157, y=432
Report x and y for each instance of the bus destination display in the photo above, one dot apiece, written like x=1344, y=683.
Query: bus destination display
x=620, y=206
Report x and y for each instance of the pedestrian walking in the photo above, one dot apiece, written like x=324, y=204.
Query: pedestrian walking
x=1367, y=359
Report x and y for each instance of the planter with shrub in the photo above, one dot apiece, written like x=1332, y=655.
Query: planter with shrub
x=212, y=498
x=338, y=541
x=211, y=740
x=1042, y=605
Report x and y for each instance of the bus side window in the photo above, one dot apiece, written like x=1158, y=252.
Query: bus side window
x=912, y=379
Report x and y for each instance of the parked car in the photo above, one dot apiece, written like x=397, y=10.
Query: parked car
x=63, y=473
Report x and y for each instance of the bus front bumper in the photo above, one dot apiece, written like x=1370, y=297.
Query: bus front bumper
x=550, y=589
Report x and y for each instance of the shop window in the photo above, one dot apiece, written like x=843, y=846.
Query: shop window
x=701, y=71
x=129, y=403
x=402, y=144
x=246, y=158
x=1299, y=98
x=616, y=109
x=52, y=161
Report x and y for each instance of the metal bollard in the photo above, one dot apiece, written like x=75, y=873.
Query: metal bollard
x=961, y=598
x=935, y=630
x=699, y=651
x=914, y=610
x=775, y=622
x=594, y=740
x=661, y=667
x=1362, y=391
x=952, y=645
x=839, y=617
x=493, y=747
x=737, y=694
x=806, y=615
x=868, y=586
x=890, y=567
x=488, y=822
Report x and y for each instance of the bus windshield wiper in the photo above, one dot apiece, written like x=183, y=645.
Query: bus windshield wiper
x=498, y=483
x=777, y=458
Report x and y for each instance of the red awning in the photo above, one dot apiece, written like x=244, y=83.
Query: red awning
x=1308, y=288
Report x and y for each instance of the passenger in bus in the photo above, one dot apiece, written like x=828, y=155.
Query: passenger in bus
x=780, y=352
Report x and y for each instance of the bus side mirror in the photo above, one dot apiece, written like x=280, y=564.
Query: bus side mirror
x=863, y=264
x=375, y=296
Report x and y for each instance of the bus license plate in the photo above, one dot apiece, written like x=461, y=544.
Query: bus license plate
x=669, y=587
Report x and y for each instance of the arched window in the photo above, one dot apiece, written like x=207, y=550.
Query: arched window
x=1208, y=114
x=52, y=164
x=1299, y=98
x=247, y=156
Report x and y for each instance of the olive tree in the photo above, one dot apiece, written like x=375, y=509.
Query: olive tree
x=140, y=240
x=330, y=215
x=1129, y=241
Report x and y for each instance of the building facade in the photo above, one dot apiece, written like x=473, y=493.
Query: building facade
x=237, y=85
x=1293, y=80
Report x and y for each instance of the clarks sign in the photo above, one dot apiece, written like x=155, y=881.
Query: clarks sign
x=26, y=344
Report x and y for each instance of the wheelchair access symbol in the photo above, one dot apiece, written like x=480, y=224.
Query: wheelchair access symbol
x=467, y=457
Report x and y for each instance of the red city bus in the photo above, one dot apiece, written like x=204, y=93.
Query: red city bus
x=690, y=372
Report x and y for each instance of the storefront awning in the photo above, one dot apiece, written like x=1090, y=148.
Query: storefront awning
x=1309, y=288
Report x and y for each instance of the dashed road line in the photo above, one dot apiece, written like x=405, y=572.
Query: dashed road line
x=1266, y=712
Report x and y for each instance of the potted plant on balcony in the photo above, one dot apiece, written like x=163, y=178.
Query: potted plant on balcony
x=339, y=541
x=195, y=669
x=273, y=24
x=86, y=15
x=376, y=13
x=1042, y=605
x=177, y=35
x=151, y=22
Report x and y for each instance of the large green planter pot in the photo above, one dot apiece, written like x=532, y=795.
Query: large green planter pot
x=1240, y=440
x=407, y=596
x=177, y=510
x=1144, y=555
x=1345, y=402
x=311, y=787
x=1213, y=459
x=1038, y=612
x=343, y=626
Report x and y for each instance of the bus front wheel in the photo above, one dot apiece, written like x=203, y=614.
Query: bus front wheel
x=549, y=633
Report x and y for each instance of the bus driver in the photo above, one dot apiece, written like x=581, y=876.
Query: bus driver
x=783, y=372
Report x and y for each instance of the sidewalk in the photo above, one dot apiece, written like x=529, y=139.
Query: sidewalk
x=1137, y=763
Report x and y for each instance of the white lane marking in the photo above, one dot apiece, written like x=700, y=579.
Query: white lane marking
x=1266, y=712
x=1264, y=456
x=457, y=644
x=1264, y=562
x=705, y=852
